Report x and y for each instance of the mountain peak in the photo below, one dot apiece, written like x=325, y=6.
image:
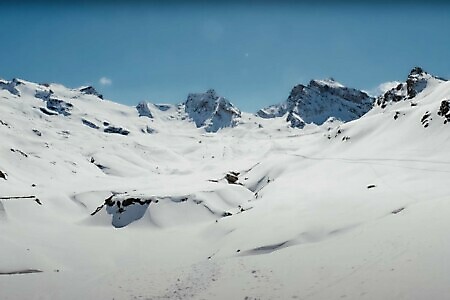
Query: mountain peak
x=416, y=82
x=326, y=83
x=211, y=111
x=318, y=101
x=416, y=71
x=212, y=93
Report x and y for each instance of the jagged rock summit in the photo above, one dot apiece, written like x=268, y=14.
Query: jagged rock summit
x=416, y=82
x=211, y=111
x=319, y=101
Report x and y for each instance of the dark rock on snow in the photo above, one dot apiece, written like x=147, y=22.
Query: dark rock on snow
x=319, y=101
x=89, y=90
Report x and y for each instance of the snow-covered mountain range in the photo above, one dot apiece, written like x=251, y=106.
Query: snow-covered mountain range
x=314, y=104
x=330, y=194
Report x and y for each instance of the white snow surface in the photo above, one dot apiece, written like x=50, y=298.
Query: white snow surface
x=357, y=210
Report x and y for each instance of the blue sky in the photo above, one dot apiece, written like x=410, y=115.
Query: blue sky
x=253, y=54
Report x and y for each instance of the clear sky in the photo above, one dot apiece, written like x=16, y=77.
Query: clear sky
x=252, y=54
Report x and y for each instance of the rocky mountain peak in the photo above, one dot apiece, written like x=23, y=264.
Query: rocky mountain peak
x=318, y=101
x=212, y=93
x=415, y=83
x=416, y=71
x=211, y=111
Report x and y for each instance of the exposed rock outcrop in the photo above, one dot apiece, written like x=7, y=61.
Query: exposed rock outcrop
x=10, y=86
x=144, y=110
x=90, y=90
x=416, y=82
x=115, y=129
x=319, y=101
x=59, y=106
x=444, y=111
x=210, y=111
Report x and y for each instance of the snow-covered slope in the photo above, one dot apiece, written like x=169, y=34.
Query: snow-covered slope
x=256, y=211
x=319, y=101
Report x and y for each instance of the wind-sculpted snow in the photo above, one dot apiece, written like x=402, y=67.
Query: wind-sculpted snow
x=319, y=101
x=255, y=210
x=174, y=210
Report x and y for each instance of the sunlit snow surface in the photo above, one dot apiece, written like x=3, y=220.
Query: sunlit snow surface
x=357, y=210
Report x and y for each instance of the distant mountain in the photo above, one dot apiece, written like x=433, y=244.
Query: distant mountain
x=206, y=110
x=211, y=111
x=416, y=82
x=318, y=101
x=315, y=103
